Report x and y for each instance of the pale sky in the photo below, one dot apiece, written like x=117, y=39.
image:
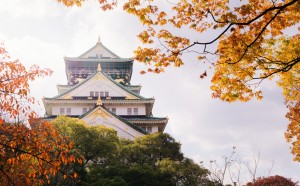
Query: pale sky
x=42, y=32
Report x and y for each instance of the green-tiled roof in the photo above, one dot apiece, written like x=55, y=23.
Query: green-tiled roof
x=99, y=43
x=64, y=85
x=123, y=87
x=75, y=86
x=133, y=85
x=118, y=117
x=143, y=118
x=71, y=59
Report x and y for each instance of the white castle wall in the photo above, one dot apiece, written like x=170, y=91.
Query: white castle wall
x=122, y=109
x=78, y=109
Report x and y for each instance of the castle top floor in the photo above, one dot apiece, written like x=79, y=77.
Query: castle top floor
x=79, y=68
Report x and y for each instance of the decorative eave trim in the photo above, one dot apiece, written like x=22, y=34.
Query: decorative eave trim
x=161, y=122
x=64, y=86
x=101, y=60
x=133, y=85
x=107, y=101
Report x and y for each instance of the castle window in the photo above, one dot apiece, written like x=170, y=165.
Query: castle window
x=92, y=94
x=135, y=111
x=106, y=94
x=101, y=94
x=84, y=110
x=68, y=111
x=148, y=129
x=129, y=111
x=113, y=110
x=96, y=94
x=62, y=111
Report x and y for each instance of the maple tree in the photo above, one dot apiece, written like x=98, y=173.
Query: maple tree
x=250, y=41
x=31, y=150
x=273, y=181
x=14, y=87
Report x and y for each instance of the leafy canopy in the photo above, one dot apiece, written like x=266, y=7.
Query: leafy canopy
x=154, y=159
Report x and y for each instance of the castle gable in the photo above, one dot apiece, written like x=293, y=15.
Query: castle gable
x=100, y=116
x=99, y=51
x=101, y=85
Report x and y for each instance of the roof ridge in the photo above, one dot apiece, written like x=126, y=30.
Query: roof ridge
x=133, y=85
x=96, y=46
x=75, y=86
x=123, y=87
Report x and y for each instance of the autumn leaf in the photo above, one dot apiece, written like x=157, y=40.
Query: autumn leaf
x=203, y=75
x=31, y=150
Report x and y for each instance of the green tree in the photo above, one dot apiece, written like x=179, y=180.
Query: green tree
x=92, y=144
x=184, y=172
x=152, y=148
x=154, y=159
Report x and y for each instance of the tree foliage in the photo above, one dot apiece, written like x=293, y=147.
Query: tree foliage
x=154, y=159
x=273, y=181
x=14, y=87
x=31, y=151
x=255, y=40
x=32, y=156
x=93, y=143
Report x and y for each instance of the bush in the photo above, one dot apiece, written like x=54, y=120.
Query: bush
x=274, y=181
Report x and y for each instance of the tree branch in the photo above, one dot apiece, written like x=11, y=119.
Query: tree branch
x=279, y=8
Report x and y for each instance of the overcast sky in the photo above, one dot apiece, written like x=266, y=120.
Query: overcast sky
x=43, y=32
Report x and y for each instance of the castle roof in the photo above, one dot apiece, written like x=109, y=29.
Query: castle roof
x=98, y=53
x=135, y=95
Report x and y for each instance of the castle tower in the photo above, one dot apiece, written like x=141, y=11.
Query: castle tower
x=99, y=92
x=78, y=68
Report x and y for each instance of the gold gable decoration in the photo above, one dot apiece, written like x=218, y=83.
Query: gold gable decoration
x=99, y=68
x=129, y=97
x=98, y=113
x=68, y=96
x=98, y=77
x=99, y=102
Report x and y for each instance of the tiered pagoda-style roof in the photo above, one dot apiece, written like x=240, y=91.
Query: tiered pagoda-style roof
x=78, y=68
x=122, y=107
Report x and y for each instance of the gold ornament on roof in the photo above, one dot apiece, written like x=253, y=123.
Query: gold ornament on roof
x=99, y=102
x=99, y=68
x=98, y=113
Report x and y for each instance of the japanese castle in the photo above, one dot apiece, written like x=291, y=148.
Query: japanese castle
x=100, y=93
